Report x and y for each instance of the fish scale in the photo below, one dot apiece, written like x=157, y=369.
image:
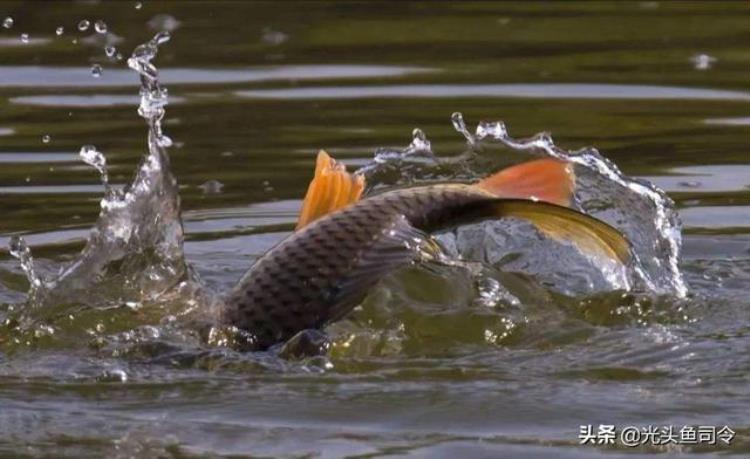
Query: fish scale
x=294, y=286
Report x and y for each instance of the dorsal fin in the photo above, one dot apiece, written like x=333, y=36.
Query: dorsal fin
x=548, y=180
x=332, y=188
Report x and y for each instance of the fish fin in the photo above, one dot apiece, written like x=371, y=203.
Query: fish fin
x=332, y=188
x=591, y=236
x=548, y=180
x=397, y=245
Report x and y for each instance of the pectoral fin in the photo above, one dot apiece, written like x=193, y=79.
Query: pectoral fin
x=398, y=244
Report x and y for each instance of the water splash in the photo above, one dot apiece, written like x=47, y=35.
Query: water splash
x=153, y=96
x=134, y=251
x=83, y=25
x=94, y=158
x=8, y=22
x=400, y=166
x=457, y=119
x=20, y=250
x=134, y=254
x=644, y=213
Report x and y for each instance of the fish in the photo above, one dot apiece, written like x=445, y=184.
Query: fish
x=344, y=243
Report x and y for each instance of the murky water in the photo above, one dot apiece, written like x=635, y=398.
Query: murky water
x=438, y=361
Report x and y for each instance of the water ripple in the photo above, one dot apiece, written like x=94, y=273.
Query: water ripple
x=38, y=76
x=525, y=90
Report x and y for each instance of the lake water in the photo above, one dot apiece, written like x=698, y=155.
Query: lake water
x=423, y=369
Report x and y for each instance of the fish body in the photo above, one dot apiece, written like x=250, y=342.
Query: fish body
x=344, y=245
x=306, y=280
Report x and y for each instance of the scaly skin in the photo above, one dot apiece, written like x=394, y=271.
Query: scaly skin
x=304, y=281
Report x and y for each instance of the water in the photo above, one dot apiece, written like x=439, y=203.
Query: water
x=100, y=26
x=511, y=356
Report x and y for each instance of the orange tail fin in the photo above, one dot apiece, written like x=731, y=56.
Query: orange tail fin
x=547, y=180
x=332, y=188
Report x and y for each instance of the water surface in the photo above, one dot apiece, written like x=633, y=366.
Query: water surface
x=255, y=90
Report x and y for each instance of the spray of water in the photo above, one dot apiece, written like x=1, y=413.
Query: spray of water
x=134, y=251
x=643, y=212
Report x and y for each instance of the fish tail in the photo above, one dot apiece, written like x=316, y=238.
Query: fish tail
x=590, y=235
x=548, y=180
x=332, y=188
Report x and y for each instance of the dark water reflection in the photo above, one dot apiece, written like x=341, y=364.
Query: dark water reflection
x=255, y=90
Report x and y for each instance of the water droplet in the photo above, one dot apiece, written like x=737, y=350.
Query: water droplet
x=20, y=250
x=162, y=37
x=273, y=37
x=84, y=25
x=493, y=129
x=542, y=140
x=96, y=70
x=18, y=246
x=418, y=134
x=459, y=125
x=110, y=51
x=8, y=22
x=46, y=138
x=419, y=142
x=59, y=31
x=164, y=141
x=138, y=5
x=93, y=157
x=41, y=331
x=114, y=375
x=703, y=61
x=100, y=26
x=25, y=37
x=211, y=187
